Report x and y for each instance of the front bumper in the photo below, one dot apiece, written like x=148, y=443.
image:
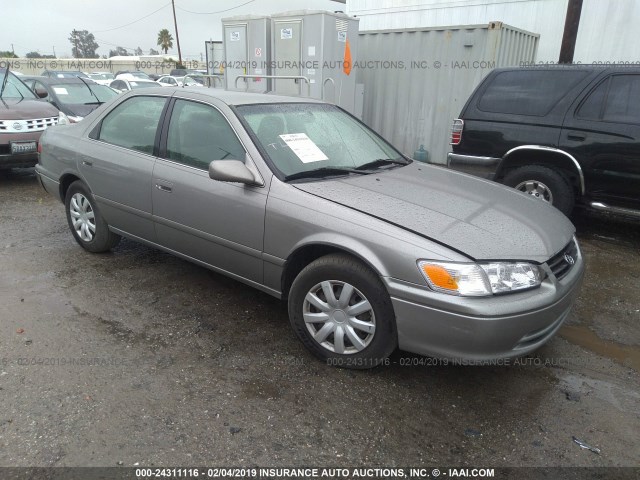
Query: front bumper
x=20, y=160
x=482, y=329
x=484, y=167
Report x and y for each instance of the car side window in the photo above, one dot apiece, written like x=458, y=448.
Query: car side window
x=133, y=123
x=614, y=100
x=623, y=100
x=199, y=134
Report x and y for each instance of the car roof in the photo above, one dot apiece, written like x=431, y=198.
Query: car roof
x=237, y=98
x=59, y=81
x=592, y=67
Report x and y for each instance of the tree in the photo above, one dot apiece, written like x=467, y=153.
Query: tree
x=165, y=40
x=119, y=52
x=7, y=54
x=38, y=55
x=139, y=51
x=84, y=44
x=153, y=52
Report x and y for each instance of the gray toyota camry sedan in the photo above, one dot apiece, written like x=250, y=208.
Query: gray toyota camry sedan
x=371, y=251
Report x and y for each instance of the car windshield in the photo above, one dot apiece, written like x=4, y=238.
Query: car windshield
x=151, y=84
x=140, y=75
x=79, y=93
x=14, y=87
x=301, y=137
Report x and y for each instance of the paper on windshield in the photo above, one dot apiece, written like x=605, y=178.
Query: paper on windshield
x=303, y=147
x=60, y=90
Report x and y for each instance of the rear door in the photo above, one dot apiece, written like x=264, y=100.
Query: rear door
x=218, y=223
x=117, y=163
x=602, y=130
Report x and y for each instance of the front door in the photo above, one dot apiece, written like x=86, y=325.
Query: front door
x=218, y=223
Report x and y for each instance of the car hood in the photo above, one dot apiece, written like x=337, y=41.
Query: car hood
x=18, y=109
x=481, y=219
x=78, y=109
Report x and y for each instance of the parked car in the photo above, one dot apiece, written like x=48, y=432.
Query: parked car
x=64, y=74
x=73, y=97
x=124, y=85
x=23, y=118
x=102, y=78
x=565, y=135
x=181, y=72
x=169, y=81
x=132, y=75
x=303, y=201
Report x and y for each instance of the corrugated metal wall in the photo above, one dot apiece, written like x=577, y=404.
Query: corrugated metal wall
x=607, y=27
x=417, y=81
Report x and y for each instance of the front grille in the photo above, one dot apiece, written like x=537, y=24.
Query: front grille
x=23, y=126
x=560, y=263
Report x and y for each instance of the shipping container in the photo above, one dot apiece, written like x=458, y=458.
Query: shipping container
x=416, y=81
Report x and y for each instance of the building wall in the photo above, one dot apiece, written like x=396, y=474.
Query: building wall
x=607, y=28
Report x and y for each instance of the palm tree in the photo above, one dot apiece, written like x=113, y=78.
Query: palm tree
x=165, y=40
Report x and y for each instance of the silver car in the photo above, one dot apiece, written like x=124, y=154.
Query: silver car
x=297, y=198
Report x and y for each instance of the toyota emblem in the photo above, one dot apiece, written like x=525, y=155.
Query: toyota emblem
x=17, y=126
x=569, y=259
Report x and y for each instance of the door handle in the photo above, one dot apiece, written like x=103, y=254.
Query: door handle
x=87, y=163
x=577, y=138
x=164, y=188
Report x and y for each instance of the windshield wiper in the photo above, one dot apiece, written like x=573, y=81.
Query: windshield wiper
x=323, y=172
x=99, y=102
x=382, y=162
x=4, y=81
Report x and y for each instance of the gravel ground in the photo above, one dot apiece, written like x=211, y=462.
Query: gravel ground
x=138, y=357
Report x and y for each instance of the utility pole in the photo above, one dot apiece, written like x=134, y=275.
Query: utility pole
x=571, y=24
x=175, y=22
x=12, y=50
x=54, y=51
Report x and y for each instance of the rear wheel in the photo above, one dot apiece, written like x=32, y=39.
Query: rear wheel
x=543, y=183
x=342, y=313
x=85, y=221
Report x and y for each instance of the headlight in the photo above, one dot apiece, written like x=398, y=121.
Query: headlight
x=479, y=279
x=63, y=119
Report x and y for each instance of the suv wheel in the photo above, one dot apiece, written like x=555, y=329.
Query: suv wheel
x=85, y=221
x=342, y=313
x=544, y=183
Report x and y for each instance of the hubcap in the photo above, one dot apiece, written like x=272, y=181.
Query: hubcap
x=82, y=217
x=339, y=317
x=536, y=189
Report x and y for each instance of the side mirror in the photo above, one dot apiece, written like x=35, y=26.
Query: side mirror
x=41, y=92
x=231, y=171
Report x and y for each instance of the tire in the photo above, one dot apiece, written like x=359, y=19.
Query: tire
x=91, y=231
x=368, y=335
x=545, y=183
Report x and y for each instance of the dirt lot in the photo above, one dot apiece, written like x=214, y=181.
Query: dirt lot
x=139, y=357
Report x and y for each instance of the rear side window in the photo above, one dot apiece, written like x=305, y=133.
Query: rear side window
x=528, y=92
x=133, y=123
x=616, y=100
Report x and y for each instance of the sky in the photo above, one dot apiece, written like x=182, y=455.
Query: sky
x=45, y=25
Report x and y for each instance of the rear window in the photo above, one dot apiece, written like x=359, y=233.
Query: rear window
x=528, y=92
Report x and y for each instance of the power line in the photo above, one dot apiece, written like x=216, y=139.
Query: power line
x=135, y=21
x=214, y=13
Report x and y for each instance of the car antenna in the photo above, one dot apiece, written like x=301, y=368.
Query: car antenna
x=92, y=92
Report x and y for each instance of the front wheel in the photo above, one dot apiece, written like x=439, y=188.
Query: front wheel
x=85, y=221
x=342, y=313
x=545, y=184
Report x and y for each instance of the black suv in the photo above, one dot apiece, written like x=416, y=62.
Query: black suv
x=564, y=134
